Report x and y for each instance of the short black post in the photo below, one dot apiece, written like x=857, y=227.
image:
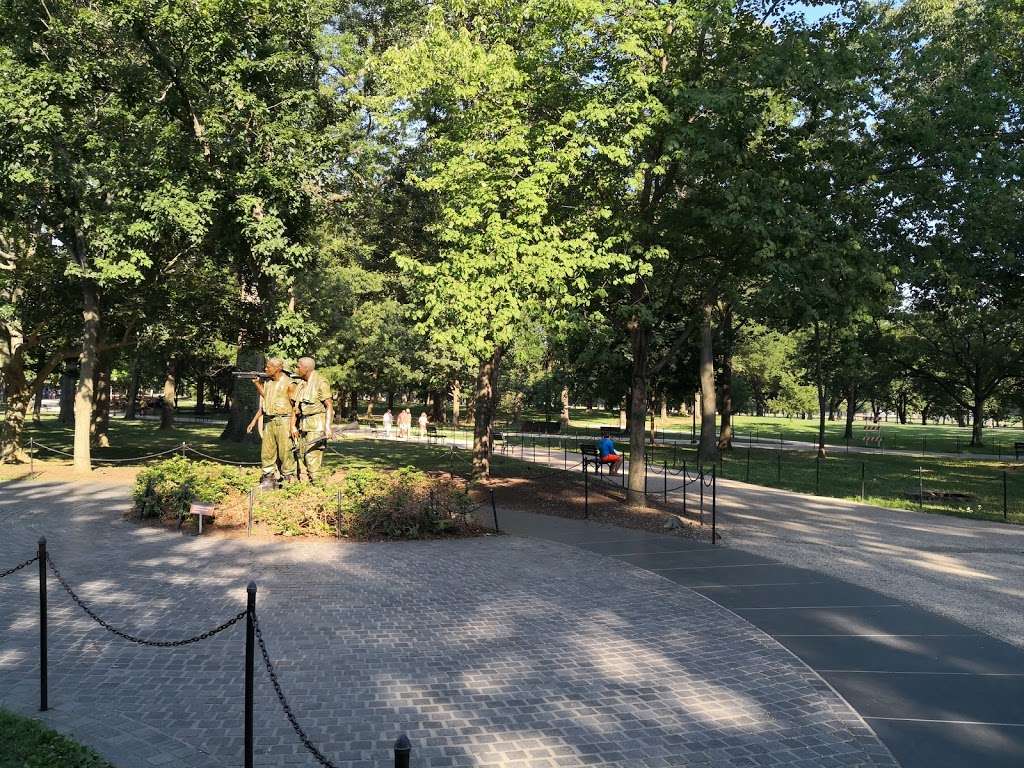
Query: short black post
x=1004, y=495
x=403, y=748
x=664, y=474
x=686, y=482
x=586, y=491
x=862, y=481
x=183, y=449
x=748, y=462
x=494, y=511
x=250, y=658
x=702, y=494
x=920, y=487
x=41, y=554
x=714, y=503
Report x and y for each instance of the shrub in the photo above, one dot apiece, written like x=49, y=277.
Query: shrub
x=405, y=504
x=298, y=509
x=167, y=487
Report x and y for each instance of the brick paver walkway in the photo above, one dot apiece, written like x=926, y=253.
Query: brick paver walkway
x=491, y=651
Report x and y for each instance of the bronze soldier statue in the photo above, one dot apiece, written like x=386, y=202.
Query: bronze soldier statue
x=278, y=411
x=314, y=414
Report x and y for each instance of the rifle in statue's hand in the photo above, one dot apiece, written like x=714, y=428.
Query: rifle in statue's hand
x=257, y=375
x=251, y=375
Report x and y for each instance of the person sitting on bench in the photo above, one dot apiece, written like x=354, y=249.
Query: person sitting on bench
x=606, y=450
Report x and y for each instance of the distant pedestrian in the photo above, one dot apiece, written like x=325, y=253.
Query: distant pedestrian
x=388, y=419
x=404, y=423
x=423, y=423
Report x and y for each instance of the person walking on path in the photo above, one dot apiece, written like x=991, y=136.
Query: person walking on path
x=423, y=423
x=278, y=396
x=404, y=423
x=606, y=450
x=313, y=416
x=388, y=419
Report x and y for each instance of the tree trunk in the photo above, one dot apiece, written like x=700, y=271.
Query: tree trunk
x=456, y=405
x=486, y=401
x=17, y=394
x=924, y=413
x=245, y=400
x=663, y=405
x=708, y=449
x=353, y=399
x=438, y=409
x=564, y=418
x=133, y=387
x=100, y=427
x=639, y=337
x=86, y=377
x=37, y=404
x=391, y=399
x=68, y=381
x=200, y=394
x=820, y=384
x=851, y=412
x=978, y=413
x=170, y=392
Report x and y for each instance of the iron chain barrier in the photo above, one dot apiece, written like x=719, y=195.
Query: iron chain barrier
x=254, y=634
x=18, y=567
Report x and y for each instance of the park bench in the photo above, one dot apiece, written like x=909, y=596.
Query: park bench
x=432, y=434
x=591, y=456
x=1018, y=449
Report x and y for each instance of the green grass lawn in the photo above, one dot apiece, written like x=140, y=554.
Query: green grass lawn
x=936, y=438
x=888, y=477
x=25, y=743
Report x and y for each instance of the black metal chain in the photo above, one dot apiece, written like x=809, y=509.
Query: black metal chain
x=19, y=566
x=306, y=742
x=131, y=638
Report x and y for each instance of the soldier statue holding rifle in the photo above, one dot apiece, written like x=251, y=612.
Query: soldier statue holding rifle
x=314, y=414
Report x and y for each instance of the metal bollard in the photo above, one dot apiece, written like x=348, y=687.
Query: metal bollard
x=714, y=504
x=43, y=683
x=1004, y=495
x=701, y=472
x=664, y=474
x=586, y=491
x=250, y=657
x=686, y=482
x=494, y=511
x=403, y=748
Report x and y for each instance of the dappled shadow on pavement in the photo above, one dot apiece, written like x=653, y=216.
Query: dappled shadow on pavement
x=488, y=651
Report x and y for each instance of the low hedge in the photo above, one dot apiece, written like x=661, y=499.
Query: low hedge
x=167, y=487
x=369, y=504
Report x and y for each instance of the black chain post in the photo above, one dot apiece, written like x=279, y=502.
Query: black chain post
x=701, y=474
x=748, y=461
x=920, y=488
x=403, y=748
x=686, y=482
x=714, y=504
x=43, y=683
x=664, y=474
x=250, y=660
x=494, y=511
x=586, y=490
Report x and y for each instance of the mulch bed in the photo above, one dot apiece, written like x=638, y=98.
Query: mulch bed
x=562, y=495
